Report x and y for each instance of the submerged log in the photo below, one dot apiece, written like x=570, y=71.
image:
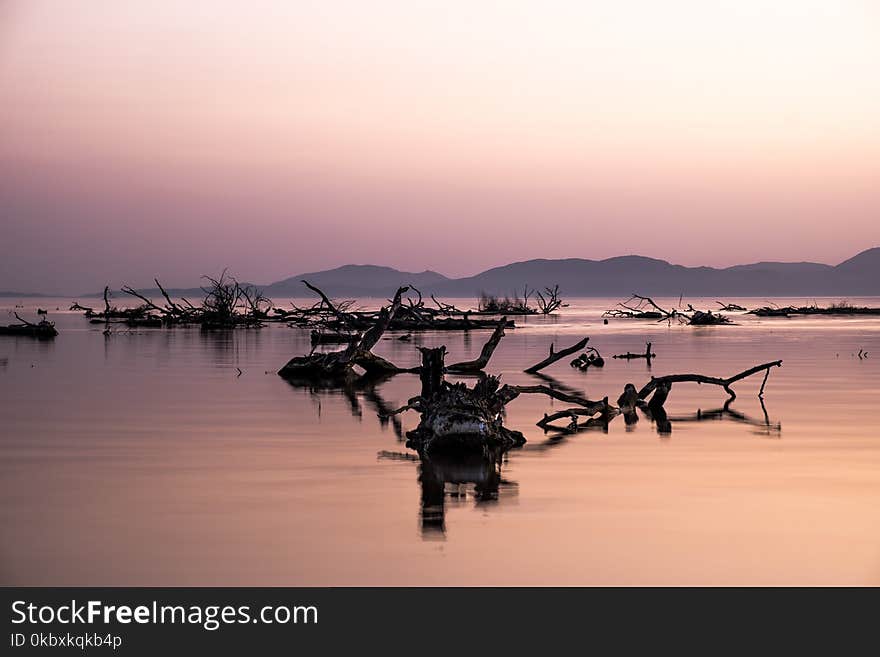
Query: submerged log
x=340, y=364
x=459, y=418
x=648, y=355
x=319, y=337
x=843, y=309
x=590, y=358
x=731, y=307
x=641, y=307
x=556, y=355
x=43, y=330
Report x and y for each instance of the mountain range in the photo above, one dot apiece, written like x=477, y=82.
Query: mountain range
x=622, y=275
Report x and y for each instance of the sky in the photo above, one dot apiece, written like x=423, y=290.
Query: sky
x=173, y=139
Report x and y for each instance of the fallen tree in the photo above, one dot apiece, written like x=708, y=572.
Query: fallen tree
x=42, y=330
x=339, y=364
x=413, y=315
x=841, y=308
x=459, y=417
x=641, y=307
x=557, y=355
x=226, y=304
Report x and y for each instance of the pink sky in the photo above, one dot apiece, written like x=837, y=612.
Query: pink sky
x=174, y=139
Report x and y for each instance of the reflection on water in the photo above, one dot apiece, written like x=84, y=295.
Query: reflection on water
x=175, y=456
x=454, y=479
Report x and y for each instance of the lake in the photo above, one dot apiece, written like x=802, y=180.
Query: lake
x=178, y=457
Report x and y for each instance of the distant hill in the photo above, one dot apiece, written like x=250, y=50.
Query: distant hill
x=7, y=293
x=356, y=281
x=621, y=275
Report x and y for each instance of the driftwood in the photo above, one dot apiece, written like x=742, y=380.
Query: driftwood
x=835, y=309
x=340, y=364
x=413, y=315
x=43, y=330
x=226, y=304
x=641, y=307
x=633, y=400
x=590, y=358
x=319, y=337
x=457, y=417
x=480, y=363
x=556, y=355
x=663, y=381
x=730, y=307
x=647, y=355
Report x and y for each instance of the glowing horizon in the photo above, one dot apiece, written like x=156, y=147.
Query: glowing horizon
x=144, y=139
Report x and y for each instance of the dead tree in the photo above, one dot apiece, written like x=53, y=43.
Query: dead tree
x=556, y=355
x=633, y=399
x=479, y=364
x=551, y=302
x=663, y=384
x=412, y=316
x=730, y=307
x=640, y=307
x=339, y=365
x=456, y=417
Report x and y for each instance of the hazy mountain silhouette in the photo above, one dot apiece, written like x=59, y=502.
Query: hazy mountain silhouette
x=621, y=275
x=356, y=281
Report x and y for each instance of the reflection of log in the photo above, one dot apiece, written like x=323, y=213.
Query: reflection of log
x=725, y=412
x=512, y=392
x=318, y=337
x=655, y=382
x=554, y=356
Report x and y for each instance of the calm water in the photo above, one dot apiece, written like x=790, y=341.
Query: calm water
x=144, y=458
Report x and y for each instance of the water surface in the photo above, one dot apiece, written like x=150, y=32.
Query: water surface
x=145, y=458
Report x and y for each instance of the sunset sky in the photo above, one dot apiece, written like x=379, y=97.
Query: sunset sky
x=172, y=139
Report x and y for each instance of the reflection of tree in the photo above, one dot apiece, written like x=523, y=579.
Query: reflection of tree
x=449, y=478
x=354, y=391
x=663, y=421
x=446, y=479
x=764, y=426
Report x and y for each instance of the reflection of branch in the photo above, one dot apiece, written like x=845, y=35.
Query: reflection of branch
x=383, y=410
x=725, y=412
x=555, y=383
